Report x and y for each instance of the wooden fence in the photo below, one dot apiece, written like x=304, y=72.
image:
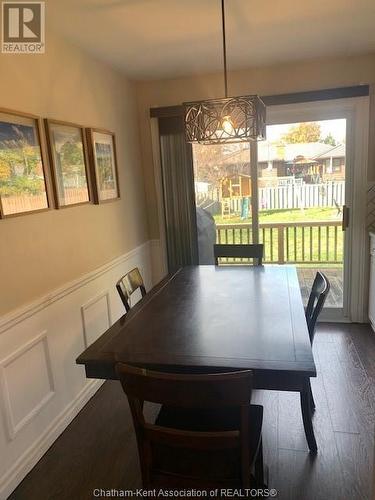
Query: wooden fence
x=23, y=203
x=26, y=203
x=293, y=242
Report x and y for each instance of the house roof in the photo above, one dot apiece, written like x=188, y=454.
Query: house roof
x=287, y=152
x=334, y=152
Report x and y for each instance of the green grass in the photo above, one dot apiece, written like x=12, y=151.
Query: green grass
x=307, y=245
x=292, y=215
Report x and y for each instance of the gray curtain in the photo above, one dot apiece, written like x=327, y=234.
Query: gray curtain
x=179, y=196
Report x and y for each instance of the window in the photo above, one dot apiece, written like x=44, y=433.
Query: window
x=337, y=164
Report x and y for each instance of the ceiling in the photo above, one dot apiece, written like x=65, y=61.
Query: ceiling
x=148, y=39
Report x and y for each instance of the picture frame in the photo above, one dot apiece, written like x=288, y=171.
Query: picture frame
x=103, y=160
x=25, y=185
x=68, y=155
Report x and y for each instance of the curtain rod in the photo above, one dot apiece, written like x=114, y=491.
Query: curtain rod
x=274, y=100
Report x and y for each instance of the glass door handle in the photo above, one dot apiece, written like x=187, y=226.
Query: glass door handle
x=345, y=217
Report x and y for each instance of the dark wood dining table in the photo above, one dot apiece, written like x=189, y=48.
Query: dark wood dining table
x=211, y=318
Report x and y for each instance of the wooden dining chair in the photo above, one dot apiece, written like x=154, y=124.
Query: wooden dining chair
x=207, y=435
x=317, y=298
x=253, y=251
x=128, y=284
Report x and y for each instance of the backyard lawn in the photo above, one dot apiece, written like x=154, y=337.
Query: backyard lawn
x=306, y=245
x=290, y=215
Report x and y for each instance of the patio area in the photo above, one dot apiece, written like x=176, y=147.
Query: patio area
x=306, y=277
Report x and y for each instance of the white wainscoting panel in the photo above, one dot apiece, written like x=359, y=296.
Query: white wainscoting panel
x=26, y=383
x=96, y=317
x=42, y=388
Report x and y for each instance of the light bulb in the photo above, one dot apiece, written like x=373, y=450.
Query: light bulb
x=227, y=125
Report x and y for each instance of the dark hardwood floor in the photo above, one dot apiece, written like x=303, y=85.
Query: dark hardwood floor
x=98, y=449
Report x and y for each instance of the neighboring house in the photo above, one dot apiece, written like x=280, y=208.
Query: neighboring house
x=312, y=162
x=333, y=162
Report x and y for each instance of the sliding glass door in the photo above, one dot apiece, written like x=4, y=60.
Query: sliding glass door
x=298, y=197
x=300, y=193
x=301, y=200
x=300, y=181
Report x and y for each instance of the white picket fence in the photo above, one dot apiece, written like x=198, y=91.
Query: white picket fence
x=328, y=194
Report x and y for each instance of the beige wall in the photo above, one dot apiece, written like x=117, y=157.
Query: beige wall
x=41, y=252
x=311, y=75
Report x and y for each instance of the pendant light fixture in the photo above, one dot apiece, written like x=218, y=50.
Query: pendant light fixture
x=226, y=120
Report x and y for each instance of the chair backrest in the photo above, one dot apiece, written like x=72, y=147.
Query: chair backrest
x=128, y=284
x=250, y=251
x=185, y=391
x=317, y=298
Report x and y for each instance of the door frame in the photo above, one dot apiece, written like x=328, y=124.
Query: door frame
x=356, y=112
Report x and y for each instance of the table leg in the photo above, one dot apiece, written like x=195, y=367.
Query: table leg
x=306, y=417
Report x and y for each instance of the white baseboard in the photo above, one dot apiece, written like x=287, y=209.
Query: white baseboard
x=35, y=452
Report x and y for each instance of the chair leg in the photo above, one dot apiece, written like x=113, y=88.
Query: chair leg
x=312, y=402
x=306, y=417
x=258, y=467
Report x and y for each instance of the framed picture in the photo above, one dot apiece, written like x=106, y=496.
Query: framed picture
x=69, y=163
x=102, y=148
x=23, y=181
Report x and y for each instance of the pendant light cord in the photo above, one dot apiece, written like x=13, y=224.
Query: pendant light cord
x=224, y=49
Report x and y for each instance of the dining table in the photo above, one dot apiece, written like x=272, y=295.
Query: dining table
x=202, y=319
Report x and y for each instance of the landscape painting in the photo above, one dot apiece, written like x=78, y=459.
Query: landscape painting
x=103, y=150
x=69, y=163
x=22, y=174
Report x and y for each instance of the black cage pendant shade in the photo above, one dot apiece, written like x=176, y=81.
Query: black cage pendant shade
x=226, y=120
